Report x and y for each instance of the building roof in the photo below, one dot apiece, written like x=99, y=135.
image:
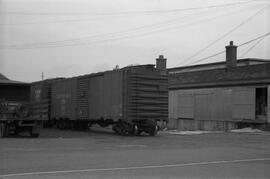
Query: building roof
x=256, y=74
x=217, y=65
x=5, y=80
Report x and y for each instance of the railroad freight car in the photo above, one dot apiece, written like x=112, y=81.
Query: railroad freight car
x=131, y=99
x=41, y=100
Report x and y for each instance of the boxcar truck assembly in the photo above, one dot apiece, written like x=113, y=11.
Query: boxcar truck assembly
x=131, y=99
x=15, y=112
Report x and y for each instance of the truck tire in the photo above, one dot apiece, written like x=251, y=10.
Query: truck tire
x=2, y=131
x=135, y=130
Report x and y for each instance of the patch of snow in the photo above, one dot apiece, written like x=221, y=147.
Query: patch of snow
x=133, y=146
x=248, y=129
x=177, y=132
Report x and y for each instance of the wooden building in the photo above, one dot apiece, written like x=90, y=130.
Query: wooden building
x=220, y=96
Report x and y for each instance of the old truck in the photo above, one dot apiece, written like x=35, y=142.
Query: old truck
x=15, y=108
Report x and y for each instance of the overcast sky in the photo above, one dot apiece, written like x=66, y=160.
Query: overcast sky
x=64, y=38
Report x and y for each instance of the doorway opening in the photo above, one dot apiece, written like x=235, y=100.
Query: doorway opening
x=261, y=103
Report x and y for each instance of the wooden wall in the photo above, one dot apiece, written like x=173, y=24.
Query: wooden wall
x=268, y=101
x=221, y=104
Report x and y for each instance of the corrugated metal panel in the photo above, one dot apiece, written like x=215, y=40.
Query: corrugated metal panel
x=147, y=95
x=243, y=103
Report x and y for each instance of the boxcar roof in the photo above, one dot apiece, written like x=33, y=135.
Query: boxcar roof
x=124, y=68
x=48, y=80
x=97, y=74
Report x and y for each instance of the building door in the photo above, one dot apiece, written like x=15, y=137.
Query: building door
x=204, y=106
x=243, y=106
x=185, y=106
x=261, y=103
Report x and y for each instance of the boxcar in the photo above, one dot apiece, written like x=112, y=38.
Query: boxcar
x=41, y=99
x=131, y=99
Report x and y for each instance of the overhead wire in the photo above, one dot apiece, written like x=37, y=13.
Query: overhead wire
x=56, y=43
x=223, y=51
x=105, y=18
x=66, y=21
x=252, y=40
x=227, y=33
x=127, y=12
x=252, y=47
x=168, y=22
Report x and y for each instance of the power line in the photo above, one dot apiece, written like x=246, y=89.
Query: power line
x=202, y=59
x=56, y=43
x=79, y=20
x=252, y=47
x=227, y=33
x=221, y=52
x=106, y=34
x=252, y=40
x=65, y=21
x=127, y=12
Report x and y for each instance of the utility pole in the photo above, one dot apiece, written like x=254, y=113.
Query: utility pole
x=42, y=76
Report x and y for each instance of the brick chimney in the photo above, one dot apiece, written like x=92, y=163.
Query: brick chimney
x=161, y=63
x=231, y=55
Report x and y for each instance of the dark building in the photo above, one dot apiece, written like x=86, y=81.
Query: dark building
x=220, y=96
x=13, y=90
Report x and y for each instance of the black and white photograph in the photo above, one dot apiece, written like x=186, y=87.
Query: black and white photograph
x=134, y=89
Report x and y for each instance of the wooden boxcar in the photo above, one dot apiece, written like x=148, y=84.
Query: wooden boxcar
x=41, y=99
x=131, y=99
